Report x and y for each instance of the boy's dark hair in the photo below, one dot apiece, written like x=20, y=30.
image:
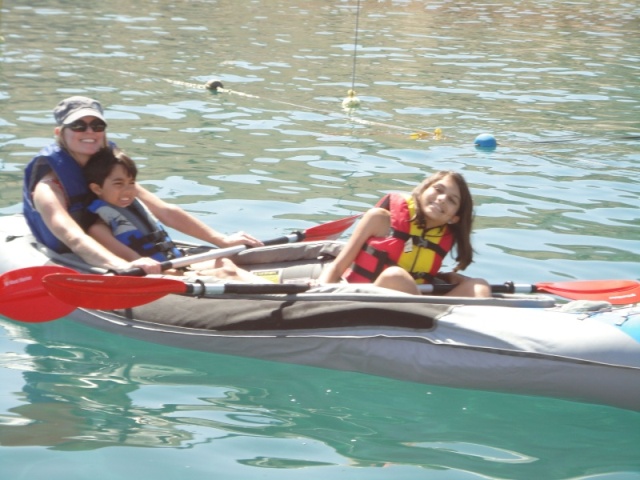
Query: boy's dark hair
x=102, y=163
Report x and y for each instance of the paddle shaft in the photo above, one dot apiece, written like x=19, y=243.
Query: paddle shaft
x=507, y=287
x=226, y=252
x=616, y=292
x=325, y=231
x=205, y=290
x=114, y=292
x=212, y=255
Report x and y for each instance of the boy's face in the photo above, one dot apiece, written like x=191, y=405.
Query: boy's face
x=118, y=189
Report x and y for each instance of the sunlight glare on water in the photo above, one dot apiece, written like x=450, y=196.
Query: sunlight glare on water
x=554, y=82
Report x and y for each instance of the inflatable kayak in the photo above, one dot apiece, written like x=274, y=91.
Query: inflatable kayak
x=513, y=343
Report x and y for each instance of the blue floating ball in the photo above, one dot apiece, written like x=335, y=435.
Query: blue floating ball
x=485, y=140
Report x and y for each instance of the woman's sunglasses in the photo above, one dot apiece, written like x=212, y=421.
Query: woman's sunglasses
x=80, y=126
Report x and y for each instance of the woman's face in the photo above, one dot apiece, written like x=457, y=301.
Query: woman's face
x=83, y=144
x=440, y=202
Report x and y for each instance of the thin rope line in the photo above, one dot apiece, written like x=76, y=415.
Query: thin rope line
x=416, y=133
x=355, y=46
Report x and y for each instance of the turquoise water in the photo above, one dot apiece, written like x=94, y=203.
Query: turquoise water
x=555, y=82
x=88, y=404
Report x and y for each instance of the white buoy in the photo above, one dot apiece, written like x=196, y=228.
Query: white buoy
x=351, y=101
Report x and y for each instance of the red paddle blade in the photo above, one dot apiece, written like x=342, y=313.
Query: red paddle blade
x=330, y=230
x=617, y=292
x=102, y=292
x=24, y=298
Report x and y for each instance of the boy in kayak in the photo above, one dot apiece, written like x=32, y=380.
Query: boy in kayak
x=127, y=227
x=404, y=239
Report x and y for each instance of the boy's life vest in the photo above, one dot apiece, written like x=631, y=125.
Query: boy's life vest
x=418, y=251
x=137, y=228
x=69, y=173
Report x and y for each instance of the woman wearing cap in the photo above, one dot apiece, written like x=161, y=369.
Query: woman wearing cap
x=55, y=191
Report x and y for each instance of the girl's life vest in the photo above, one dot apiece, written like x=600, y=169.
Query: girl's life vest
x=69, y=173
x=136, y=227
x=418, y=251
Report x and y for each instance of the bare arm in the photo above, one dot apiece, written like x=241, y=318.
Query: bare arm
x=375, y=223
x=175, y=217
x=50, y=202
x=101, y=232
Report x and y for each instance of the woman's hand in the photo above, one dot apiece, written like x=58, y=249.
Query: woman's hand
x=240, y=238
x=148, y=264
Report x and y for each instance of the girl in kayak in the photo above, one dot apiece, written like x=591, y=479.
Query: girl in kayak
x=124, y=225
x=54, y=192
x=404, y=239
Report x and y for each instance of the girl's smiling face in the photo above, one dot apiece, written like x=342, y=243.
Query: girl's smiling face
x=118, y=189
x=440, y=202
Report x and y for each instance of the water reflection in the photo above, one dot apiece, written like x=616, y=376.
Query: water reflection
x=101, y=391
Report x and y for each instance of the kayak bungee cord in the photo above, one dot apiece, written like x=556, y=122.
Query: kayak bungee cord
x=216, y=86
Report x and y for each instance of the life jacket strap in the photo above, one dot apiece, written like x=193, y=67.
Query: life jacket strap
x=382, y=262
x=400, y=235
x=424, y=276
x=160, y=243
x=424, y=243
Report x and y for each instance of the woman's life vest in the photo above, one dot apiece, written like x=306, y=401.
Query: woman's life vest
x=69, y=173
x=418, y=251
x=137, y=228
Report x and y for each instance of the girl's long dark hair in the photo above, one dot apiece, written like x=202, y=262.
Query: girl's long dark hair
x=461, y=229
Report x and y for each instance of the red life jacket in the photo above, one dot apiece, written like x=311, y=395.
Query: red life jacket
x=420, y=252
